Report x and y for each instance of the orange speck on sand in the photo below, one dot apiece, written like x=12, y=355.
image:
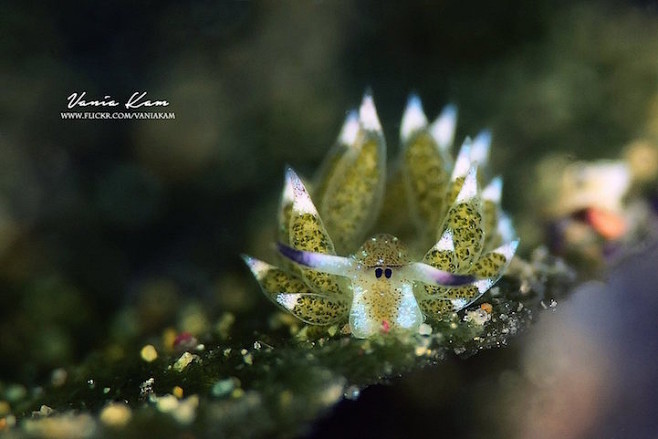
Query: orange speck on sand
x=608, y=224
x=486, y=307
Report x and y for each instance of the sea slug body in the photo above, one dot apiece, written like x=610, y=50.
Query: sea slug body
x=383, y=286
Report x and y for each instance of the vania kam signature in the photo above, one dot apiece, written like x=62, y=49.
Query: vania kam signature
x=136, y=100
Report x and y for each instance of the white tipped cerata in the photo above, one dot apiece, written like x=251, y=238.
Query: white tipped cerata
x=414, y=118
x=350, y=129
x=368, y=114
x=443, y=128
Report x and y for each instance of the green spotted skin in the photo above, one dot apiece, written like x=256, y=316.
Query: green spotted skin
x=328, y=171
x=436, y=307
x=292, y=294
x=489, y=223
x=490, y=265
x=283, y=229
x=308, y=233
x=443, y=260
x=382, y=250
x=353, y=195
x=275, y=281
x=437, y=301
x=285, y=212
x=426, y=177
x=315, y=309
x=323, y=282
x=465, y=220
x=468, y=292
x=453, y=190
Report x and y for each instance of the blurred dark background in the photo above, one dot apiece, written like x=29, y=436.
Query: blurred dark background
x=99, y=216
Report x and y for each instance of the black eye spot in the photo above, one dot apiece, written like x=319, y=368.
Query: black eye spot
x=388, y=273
x=378, y=273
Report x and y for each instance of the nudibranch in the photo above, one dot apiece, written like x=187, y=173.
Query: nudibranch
x=384, y=286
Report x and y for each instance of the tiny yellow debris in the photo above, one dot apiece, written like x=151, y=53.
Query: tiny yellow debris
x=116, y=414
x=184, y=361
x=168, y=338
x=167, y=403
x=183, y=411
x=149, y=354
x=5, y=408
x=420, y=351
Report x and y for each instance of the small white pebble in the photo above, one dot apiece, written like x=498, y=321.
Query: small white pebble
x=352, y=392
x=332, y=393
x=477, y=316
x=167, y=403
x=425, y=329
x=223, y=387
x=185, y=412
x=58, y=377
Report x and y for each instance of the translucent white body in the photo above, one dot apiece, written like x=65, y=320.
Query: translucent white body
x=382, y=304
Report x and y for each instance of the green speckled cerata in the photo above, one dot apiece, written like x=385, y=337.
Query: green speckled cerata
x=430, y=200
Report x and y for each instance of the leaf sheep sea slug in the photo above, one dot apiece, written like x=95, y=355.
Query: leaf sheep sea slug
x=460, y=241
